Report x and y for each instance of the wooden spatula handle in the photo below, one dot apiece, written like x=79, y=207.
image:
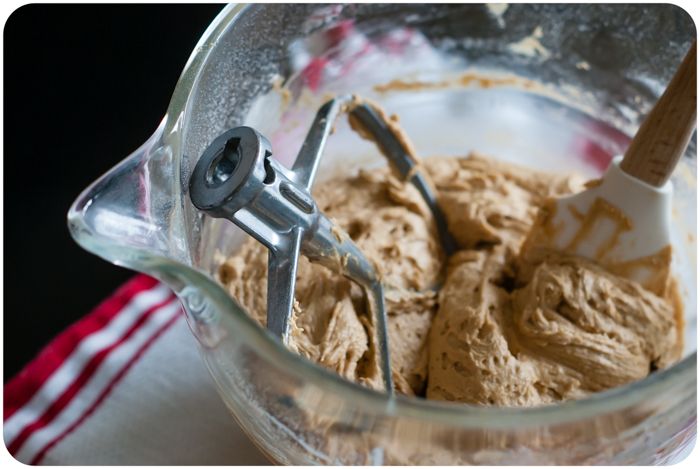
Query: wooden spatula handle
x=666, y=131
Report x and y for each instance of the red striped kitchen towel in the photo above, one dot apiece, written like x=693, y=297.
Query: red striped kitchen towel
x=123, y=385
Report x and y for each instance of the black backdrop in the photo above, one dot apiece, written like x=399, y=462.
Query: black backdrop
x=83, y=87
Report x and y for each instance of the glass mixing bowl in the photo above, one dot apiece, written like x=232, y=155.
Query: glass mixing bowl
x=549, y=86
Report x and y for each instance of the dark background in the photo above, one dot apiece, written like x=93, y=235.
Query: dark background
x=84, y=86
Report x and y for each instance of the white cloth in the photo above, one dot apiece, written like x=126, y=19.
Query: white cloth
x=165, y=410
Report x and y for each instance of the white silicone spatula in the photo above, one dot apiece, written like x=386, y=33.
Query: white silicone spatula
x=624, y=219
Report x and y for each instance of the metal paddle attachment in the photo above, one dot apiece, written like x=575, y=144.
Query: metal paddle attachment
x=237, y=179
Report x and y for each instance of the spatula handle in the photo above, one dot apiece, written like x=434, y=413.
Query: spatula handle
x=666, y=131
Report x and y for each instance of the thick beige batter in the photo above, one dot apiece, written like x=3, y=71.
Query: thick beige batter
x=389, y=221
x=495, y=333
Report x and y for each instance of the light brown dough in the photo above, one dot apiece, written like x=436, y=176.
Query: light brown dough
x=495, y=333
x=389, y=221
